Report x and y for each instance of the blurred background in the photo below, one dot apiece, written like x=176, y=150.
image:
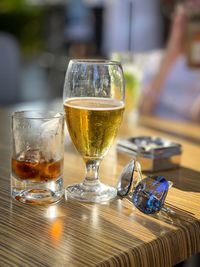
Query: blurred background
x=38, y=37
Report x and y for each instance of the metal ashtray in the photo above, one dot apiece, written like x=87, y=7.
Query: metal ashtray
x=154, y=153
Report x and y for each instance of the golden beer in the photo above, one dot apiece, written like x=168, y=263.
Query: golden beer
x=93, y=124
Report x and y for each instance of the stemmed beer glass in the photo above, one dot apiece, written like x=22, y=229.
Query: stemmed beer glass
x=93, y=99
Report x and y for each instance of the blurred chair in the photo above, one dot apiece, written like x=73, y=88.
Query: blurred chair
x=9, y=69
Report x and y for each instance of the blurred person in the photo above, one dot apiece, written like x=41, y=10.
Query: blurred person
x=173, y=89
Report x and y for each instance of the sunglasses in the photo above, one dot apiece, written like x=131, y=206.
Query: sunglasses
x=147, y=194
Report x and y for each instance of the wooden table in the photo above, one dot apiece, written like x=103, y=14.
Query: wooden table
x=114, y=234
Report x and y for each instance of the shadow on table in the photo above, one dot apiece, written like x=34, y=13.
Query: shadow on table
x=193, y=261
x=184, y=179
x=181, y=219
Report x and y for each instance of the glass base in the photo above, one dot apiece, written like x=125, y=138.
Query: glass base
x=90, y=193
x=37, y=193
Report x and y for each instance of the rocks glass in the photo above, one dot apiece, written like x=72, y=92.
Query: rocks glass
x=37, y=157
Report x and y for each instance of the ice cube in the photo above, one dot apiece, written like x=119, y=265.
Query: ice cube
x=32, y=155
x=21, y=156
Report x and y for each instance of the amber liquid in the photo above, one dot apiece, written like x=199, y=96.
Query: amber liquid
x=93, y=124
x=42, y=171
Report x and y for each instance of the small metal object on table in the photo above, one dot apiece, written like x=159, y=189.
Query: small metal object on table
x=153, y=153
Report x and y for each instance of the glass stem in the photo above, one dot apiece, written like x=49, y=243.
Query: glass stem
x=92, y=170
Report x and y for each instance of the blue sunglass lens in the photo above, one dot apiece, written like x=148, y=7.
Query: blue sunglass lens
x=149, y=195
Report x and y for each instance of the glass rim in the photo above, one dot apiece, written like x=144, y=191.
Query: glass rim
x=37, y=114
x=96, y=61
